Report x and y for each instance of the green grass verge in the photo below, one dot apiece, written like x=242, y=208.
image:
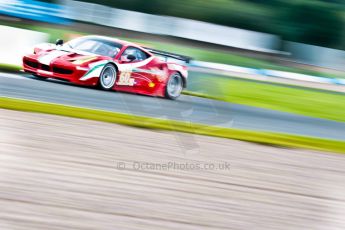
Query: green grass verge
x=320, y=104
x=9, y=67
x=153, y=123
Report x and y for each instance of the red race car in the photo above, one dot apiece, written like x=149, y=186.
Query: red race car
x=110, y=64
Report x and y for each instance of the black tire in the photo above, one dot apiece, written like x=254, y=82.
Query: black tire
x=108, y=77
x=174, y=86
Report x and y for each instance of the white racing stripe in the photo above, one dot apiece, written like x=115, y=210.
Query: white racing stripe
x=95, y=72
x=46, y=59
x=129, y=66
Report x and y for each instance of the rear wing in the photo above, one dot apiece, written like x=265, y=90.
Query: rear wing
x=167, y=55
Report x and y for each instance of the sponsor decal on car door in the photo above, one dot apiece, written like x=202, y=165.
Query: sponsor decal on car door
x=125, y=77
x=129, y=72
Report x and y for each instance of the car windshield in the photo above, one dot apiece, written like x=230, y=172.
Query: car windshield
x=95, y=45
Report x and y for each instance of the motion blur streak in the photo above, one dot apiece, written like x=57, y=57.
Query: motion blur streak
x=259, y=67
x=188, y=109
x=49, y=180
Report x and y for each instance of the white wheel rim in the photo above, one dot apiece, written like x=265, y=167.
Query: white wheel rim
x=174, y=87
x=108, y=77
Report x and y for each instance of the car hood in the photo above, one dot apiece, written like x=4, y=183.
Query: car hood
x=67, y=54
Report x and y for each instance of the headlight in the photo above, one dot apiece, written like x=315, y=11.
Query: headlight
x=82, y=68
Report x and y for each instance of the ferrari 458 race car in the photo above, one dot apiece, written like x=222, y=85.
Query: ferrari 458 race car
x=110, y=64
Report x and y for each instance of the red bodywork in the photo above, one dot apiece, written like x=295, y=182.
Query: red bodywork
x=150, y=75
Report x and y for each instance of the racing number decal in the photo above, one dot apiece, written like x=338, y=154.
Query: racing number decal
x=125, y=78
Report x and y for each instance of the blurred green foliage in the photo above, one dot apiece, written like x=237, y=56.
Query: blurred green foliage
x=318, y=22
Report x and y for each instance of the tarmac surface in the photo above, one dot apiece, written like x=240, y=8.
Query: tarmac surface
x=186, y=108
x=61, y=173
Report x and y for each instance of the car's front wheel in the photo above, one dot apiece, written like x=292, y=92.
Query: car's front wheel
x=107, y=77
x=174, y=86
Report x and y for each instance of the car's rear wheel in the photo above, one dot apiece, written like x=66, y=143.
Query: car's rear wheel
x=174, y=86
x=107, y=77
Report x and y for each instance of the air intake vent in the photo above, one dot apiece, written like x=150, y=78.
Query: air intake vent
x=31, y=64
x=62, y=70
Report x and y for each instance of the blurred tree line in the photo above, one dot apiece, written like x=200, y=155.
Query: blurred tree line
x=317, y=22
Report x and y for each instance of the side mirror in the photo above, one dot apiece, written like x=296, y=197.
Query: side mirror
x=59, y=42
x=131, y=57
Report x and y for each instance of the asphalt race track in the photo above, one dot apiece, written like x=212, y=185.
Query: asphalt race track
x=186, y=108
x=61, y=173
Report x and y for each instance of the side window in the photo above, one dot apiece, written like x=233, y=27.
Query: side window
x=137, y=53
x=141, y=55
